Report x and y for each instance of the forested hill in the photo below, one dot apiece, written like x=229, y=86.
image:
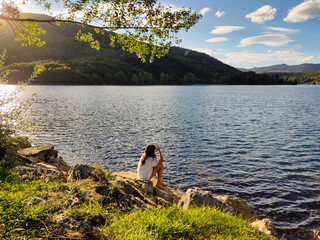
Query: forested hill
x=71, y=62
x=284, y=68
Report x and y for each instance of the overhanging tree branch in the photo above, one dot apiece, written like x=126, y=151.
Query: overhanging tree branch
x=146, y=28
x=54, y=20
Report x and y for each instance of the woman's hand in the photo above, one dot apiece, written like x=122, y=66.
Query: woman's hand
x=157, y=148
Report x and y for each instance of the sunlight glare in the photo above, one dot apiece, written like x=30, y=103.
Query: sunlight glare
x=6, y=94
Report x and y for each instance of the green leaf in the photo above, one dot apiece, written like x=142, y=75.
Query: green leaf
x=143, y=27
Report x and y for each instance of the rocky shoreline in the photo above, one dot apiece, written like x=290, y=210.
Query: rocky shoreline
x=43, y=161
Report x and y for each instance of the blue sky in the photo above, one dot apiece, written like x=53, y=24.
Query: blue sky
x=249, y=33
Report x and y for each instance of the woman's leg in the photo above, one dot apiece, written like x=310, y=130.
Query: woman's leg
x=160, y=176
x=158, y=170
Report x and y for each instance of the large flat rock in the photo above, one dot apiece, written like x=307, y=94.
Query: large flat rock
x=38, y=153
x=168, y=194
x=41, y=160
x=240, y=206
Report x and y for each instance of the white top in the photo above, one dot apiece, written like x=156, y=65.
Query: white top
x=145, y=170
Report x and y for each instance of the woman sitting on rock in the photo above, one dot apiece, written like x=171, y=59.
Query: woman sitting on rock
x=149, y=165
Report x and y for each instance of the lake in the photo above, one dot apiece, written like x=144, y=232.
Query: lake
x=261, y=143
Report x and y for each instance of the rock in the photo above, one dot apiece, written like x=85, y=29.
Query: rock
x=36, y=200
x=74, y=225
x=81, y=196
x=127, y=187
x=240, y=206
x=132, y=193
x=196, y=198
x=147, y=187
x=60, y=164
x=266, y=226
x=38, y=153
x=41, y=160
x=101, y=189
x=131, y=178
x=141, y=203
x=130, y=189
x=168, y=194
x=162, y=202
x=85, y=226
x=36, y=170
x=81, y=171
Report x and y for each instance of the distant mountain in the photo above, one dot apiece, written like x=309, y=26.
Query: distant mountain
x=302, y=68
x=244, y=69
x=71, y=62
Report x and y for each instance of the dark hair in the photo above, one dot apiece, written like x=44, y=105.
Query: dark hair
x=148, y=152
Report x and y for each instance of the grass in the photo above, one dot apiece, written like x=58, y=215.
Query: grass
x=100, y=172
x=21, y=217
x=175, y=223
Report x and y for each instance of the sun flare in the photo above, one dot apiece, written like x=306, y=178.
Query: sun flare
x=6, y=94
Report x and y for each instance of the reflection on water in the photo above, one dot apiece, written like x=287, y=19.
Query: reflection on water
x=257, y=142
x=6, y=90
x=6, y=94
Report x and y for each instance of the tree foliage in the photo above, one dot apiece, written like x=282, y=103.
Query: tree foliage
x=144, y=27
x=302, y=78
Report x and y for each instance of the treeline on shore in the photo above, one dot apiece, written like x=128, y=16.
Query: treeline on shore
x=98, y=71
x=312, y=78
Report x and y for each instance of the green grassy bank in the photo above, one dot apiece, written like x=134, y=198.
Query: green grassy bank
x=30, y=208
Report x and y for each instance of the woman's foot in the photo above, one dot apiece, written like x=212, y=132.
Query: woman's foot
x=163, y=183
x=159, y=185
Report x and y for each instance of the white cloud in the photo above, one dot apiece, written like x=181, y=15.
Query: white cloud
x=304, y=11
x=284, y=56
x=215, y=40
x=226, y=29
x=280, y=29
x=220, y=13
x=207, y=51
x=241, y=57
x=28, y=6
x=307, y=59
x=263, y=14
x=17, y=2
x=203, y=50
x=172, y=7
x=272, y=40
x=205, y=10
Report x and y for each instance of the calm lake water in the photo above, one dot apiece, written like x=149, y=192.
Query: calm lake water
x=261, y=143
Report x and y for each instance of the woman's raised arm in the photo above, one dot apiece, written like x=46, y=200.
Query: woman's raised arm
x=161, y=158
